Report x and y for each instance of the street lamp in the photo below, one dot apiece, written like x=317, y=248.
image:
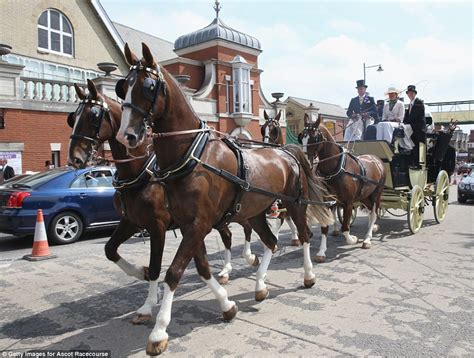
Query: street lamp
x=379, y=69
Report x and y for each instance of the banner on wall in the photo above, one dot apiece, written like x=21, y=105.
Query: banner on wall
x=14, y=160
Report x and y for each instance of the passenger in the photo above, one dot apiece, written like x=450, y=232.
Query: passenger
x=394, y=110
x=415, y=117
x=364, y=106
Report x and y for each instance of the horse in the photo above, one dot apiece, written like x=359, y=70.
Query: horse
x=197, y=167
x=140, y=201
x=271, y=133
x=349, y=178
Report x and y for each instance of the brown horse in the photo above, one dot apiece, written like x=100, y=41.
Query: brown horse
x=192, y=161
x=140, y=200
x=349, y=178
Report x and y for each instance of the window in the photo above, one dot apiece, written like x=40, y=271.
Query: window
x=227, y=99
x=55, y=33
x=241, y=85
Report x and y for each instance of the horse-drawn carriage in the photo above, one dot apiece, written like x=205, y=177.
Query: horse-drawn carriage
x=412, y=188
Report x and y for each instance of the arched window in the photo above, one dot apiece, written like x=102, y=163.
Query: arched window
x=55, y=33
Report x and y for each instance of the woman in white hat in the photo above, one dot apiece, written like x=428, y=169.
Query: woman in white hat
x=394, y=109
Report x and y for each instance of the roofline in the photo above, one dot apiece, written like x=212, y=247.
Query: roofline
x=143, y=32
x=109, y=25
x=219, y=42
x=313, y=100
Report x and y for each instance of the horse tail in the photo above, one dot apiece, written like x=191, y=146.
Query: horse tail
x=316, y=190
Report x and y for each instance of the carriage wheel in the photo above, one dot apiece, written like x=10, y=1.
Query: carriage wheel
x=440, y=199
x=416, y=209
x=340, y=214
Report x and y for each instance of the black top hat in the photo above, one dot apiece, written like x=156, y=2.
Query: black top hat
x=411, y=88
x=361, y=83
x=380, y=101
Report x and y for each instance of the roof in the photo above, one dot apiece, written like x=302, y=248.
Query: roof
x=328, y=109
x=161, y=49
x=216, y=30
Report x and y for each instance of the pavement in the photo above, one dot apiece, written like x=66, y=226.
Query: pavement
x=409, y=295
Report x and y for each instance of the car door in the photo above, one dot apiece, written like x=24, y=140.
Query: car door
x=94, y=193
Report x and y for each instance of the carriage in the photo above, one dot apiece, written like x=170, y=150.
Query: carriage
x=408, y=188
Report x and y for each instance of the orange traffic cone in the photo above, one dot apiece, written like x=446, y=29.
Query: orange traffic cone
x=40, y=244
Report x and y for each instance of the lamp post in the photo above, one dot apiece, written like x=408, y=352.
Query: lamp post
x=379, y=69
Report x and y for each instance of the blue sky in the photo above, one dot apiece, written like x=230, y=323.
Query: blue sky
x=315, y=49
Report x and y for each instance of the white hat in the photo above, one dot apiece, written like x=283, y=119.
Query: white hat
x=392, y=90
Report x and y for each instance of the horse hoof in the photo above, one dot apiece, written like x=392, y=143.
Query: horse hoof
x=351, y=240
x=223, y=280
x=309, y=282
x=275, y=249
x=156, y=348
x=256, y=262
x=320, y=259
x=335, y=233
x=366, y=245
x=230, y=314
x=295, y=242
x=141, y=318
x=146, y=273
x=261, y=295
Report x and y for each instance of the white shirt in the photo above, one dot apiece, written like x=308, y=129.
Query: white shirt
x=396, y=114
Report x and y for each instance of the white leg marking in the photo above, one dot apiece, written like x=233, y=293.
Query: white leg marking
x=308, y=265
x=163, y=318
x=262, y=270
x=322, y=247
x=130, y=269
x=350, y=239
x=372, y=219
x=151, y=300
x=294, y=231
x=247, y=253
x=227, y=265
x=220, y=293
x=335, y=229
x=276, y=226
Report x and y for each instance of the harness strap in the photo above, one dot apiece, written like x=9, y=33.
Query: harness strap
x=242, y=171
x=146, y=173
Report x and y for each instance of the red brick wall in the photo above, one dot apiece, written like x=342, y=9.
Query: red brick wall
x=220, y=53
x=36, y=130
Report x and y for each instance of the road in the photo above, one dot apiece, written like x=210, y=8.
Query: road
x=409, y=295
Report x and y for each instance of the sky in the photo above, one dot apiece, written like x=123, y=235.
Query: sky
x=316, y=50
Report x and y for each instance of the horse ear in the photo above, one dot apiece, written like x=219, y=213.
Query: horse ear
x=70, y=119
x=92, y=88
x=277, y=118
x=265, y=115
x=148, y=56
x=318, y=121
x=130, y=56
x=306, y=118
x=80, y=92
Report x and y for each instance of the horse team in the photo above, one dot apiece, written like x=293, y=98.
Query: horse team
x=175, y=172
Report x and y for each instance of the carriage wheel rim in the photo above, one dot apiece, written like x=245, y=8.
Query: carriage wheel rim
x=442, y=192
x=416, y=210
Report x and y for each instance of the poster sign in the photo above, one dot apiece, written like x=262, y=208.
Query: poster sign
x=14, y=160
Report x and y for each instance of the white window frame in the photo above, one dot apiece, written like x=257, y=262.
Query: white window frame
x=241, y=86
x=60, y=32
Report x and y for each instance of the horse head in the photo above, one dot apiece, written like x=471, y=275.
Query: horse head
x=271, y=130
x=144, y=94
x=93, y=123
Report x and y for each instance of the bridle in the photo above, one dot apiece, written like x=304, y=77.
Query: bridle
x=151, y=89
x=276, y=124
x=96, y=117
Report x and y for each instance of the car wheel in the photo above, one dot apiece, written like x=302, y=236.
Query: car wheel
x=65, y=228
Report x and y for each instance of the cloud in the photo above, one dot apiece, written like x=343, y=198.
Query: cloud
x=345, y=25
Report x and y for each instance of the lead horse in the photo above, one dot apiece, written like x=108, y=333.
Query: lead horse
x=349, y=178
x=193, y=162
x=139, y=200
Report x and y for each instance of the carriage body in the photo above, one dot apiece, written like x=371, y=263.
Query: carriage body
x=410, y=189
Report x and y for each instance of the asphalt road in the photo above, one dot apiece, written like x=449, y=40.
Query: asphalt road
x=409, y=295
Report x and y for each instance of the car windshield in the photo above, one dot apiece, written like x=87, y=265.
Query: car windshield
x=37, y=179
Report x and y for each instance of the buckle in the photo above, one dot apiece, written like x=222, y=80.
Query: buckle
x=246, y=186
x=238, y=207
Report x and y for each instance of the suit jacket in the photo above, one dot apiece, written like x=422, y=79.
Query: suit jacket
x=8, y=172
x=416, y=119
x=367, y=106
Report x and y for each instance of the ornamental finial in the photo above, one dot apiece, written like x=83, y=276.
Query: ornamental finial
x=217, y=8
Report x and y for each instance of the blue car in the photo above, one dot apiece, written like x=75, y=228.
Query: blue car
x=72, y=201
